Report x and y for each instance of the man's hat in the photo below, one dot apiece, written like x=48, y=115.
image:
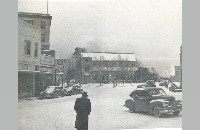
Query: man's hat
x=84, y=94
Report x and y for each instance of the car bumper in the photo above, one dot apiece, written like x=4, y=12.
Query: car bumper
x=170, y=109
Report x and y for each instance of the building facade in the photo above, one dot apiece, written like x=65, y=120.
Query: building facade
x=106, y=67
x=178, y=74
x=42, y=21
x=29, y=51
x=36, y=63
x=178, y=69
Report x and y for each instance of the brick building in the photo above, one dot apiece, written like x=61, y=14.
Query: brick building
x=105, y=67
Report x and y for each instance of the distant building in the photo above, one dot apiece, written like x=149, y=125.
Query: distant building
x=43, y=21
x=178, y=74
x=106, y=67
x=178, y=69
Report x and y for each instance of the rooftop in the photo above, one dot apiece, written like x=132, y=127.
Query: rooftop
x=37, y=15
x=108, y=56
x=149, y=88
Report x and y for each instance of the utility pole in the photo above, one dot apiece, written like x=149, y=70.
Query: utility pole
x=47, y=6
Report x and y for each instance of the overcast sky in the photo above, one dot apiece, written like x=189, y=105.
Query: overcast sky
x=152, y=29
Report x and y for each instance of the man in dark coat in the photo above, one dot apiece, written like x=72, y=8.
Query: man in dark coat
x=83, y=108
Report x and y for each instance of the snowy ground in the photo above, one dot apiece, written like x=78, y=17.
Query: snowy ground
x=107, y=113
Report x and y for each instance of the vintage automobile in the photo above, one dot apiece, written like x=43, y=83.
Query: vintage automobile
x=72, y=90
x=175, y=87
x=151, y=82
x=163, y=83
x=52, y=92
x=153, y=100
x=145, y=85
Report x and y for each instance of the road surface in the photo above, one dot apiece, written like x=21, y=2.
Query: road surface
x=107, y=113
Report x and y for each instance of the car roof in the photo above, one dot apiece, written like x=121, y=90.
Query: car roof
x=149, y=88
x=144, y=85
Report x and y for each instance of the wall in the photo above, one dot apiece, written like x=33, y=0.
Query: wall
x=107, y=71
x=33, y=34
x=37, y=22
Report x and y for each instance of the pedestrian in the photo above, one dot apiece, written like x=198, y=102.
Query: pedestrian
x=83, y=108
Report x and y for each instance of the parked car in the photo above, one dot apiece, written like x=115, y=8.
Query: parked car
x=175, y=87
x=163, y=83
x=154, y=101
x=145, y=85
x=52, y=92
x=151, y=83
x=72, y=90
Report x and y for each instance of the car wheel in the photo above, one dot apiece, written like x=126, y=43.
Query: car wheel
x=132, y=109
x=156, y=112
x=52, y=96
x=176, y=113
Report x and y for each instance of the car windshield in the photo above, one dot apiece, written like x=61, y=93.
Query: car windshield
x=177, y=84
x=157, y=92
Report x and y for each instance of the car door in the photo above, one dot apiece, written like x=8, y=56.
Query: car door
x=142, y=102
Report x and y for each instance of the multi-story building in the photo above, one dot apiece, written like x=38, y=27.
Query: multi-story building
x=105, y=67
x=29, y=51
x=40, y=20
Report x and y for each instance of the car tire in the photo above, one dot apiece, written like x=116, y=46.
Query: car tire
x=53, y=96
x=176, y=113
x=132, y=110
x=156, y=112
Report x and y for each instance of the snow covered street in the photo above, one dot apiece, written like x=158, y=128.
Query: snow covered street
x=107, y=112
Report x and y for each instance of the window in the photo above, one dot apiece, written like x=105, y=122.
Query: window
x=29, y=21
x=27, y=47
x=43, y=25
x=42, y=37
x=141, y=93
x=25, y=67
x=36, y=50
x=87, y=68
x=36, y=68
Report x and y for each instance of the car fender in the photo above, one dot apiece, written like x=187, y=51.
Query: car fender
x=129, y=103
x=156, y=103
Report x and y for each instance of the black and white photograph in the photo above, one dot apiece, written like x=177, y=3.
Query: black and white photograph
x=99, y=64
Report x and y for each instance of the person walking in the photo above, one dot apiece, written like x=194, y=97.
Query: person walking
x=83, y=108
